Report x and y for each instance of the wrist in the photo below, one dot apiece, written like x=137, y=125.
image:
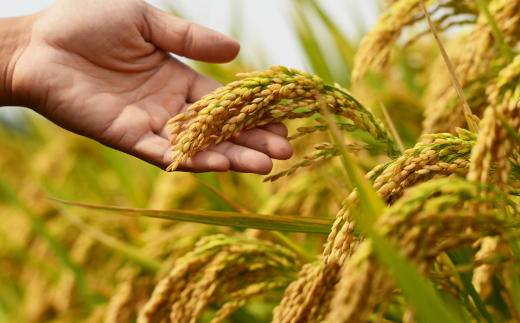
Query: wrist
x=15, y=34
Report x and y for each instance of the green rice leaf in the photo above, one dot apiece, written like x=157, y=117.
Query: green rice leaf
x=515, y=288
x=231, y=219
x=311, y=46
x=279, y=236
x=510, y=130
x=461, y=257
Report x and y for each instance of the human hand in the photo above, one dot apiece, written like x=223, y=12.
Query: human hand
x=100, y=68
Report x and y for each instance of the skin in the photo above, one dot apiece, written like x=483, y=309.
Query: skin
x=101, y=69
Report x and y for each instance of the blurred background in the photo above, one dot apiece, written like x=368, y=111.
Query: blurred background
x=71, y=265
x=266, y=35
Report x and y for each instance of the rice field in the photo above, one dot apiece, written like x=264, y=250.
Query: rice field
x=400, y=203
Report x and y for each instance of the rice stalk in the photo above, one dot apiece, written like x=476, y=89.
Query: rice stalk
x=324, y=151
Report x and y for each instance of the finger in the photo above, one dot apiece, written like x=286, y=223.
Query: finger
x=187, y=39
x=157, y=151
x=204, y=161
x=278, y=128
x=263, y=141
x=243, y=159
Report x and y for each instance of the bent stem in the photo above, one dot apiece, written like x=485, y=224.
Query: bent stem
x=392, y=126
x=473, y=127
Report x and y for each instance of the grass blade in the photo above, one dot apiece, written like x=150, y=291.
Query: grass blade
x=287, y=223
x=461, y=257
x=311, y=46
x=510, y=130
x=372, y=204
x=344, y=47
x=506, y=51
x=392, y=126
x=226, y=199
x=515, y=289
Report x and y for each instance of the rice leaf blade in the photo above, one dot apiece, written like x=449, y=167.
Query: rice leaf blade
x=465, y=106
x=428, y=305
x=311, y=45
x=461, y=257
x=280, y=237
x=372, y=204
x=510, y=130
x=515, y=288
x=506, y=51
x=345, y=48
x=287, y=223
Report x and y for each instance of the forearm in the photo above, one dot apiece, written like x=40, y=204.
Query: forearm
x=15, y=35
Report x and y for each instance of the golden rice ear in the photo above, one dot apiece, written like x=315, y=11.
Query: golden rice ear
x=494, y=145
x=446, y=156
x=375, y=48
x=267, y=97
x=307, y=299
x=219, y=268
x=359, y=280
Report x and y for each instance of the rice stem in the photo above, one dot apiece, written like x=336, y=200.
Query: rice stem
x=473, y=127
x=392, y=126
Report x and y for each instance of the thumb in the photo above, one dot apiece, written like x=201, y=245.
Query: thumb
x=188, y=39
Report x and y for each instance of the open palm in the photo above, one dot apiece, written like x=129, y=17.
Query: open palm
x=102, y=70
